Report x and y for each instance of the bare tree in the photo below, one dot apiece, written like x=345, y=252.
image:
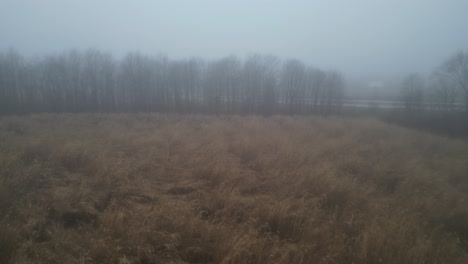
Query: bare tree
x=94, y=81
x=293, y=83
x=221, y=84
x=315, y=87
x=260, y=77
x=443, y=94
x=11, y=64
x=456, y=69
x=333, y=92
x=412, y=90
x=270, y=68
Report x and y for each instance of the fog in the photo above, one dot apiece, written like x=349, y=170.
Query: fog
x=368, y=38
x=234, y=131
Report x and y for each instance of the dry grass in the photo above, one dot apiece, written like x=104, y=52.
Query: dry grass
x=149, y=188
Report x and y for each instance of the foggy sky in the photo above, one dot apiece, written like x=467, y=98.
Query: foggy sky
x=361, y=37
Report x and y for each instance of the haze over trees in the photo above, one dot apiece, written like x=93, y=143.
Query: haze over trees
x=455, y=74
x=443, y=91
x=93, y=81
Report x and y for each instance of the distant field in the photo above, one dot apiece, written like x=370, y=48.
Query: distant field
x=151, y=188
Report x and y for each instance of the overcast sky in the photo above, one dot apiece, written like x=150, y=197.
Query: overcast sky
x=359, y=37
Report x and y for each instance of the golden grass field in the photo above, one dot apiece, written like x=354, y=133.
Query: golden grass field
x=156, y=188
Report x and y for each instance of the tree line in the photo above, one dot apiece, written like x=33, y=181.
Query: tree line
x=94, y=81
x=444, y=91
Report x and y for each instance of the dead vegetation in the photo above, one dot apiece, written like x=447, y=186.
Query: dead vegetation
x=151, y=188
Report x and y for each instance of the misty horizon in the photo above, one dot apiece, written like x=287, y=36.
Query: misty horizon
x=366, y=40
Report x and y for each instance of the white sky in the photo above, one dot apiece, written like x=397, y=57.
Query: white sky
x=358, y=37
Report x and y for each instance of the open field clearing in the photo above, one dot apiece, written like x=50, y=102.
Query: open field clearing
x=154, y=188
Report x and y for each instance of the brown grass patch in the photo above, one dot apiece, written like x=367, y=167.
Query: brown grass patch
x=153, y=188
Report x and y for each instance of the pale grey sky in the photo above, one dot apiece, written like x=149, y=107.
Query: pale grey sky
x=358, y=37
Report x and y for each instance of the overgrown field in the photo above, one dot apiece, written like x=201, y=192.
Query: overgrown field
x=151, y=188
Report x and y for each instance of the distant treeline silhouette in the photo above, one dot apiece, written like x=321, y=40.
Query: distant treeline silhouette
x=446, y=90
x=93, y=81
